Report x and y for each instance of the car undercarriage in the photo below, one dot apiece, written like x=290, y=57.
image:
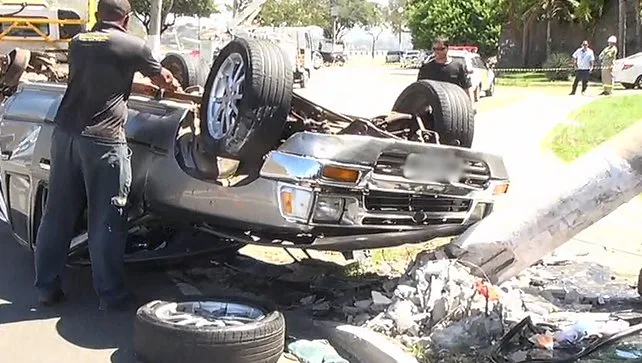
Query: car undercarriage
x=242, y=159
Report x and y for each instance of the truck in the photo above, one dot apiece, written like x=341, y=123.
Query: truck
x=38, y=26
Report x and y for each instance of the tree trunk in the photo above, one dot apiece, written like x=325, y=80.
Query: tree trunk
x=548, y=36
x=374, y=40
x=525, y=43
x=622, y=26
x=636, y=6
x=513, y=239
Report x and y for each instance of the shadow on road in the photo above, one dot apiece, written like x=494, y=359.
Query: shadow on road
x=79, y=320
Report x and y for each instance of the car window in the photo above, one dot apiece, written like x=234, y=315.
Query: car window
x=478, y=63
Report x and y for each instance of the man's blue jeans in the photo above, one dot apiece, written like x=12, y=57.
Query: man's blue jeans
x=85, y=172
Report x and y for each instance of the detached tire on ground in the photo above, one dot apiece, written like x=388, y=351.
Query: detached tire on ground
x=247, y=99
x=444, y=108
x=188, y=70
x=204, y=330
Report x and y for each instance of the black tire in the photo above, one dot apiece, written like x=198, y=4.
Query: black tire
x=265, y=103
x=628, y=85
x=157, y=341
x=188, y=70
x=638, y=82
x=452, y=114
x=317, y=60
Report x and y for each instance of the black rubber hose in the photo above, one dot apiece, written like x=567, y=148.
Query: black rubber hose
x=23, y=6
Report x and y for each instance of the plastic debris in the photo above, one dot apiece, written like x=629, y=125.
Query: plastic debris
x=315, y=351
x=543, y=341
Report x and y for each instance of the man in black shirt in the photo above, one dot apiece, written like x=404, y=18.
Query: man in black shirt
x=90, y=160
x=445, y=69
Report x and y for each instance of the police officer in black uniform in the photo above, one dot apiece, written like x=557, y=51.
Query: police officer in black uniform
x=90, y=160
x=445, y=69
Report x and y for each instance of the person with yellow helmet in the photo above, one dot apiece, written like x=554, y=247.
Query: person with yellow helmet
x=607, y=57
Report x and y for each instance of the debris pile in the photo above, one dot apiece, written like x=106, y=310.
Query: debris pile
x=438, y=303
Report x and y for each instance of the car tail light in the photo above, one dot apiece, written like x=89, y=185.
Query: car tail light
x=627, y=66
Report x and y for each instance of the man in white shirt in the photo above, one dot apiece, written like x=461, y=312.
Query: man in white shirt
x=583, y=60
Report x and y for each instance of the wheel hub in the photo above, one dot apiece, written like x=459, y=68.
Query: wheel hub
x=225, y=97
x=208, y=313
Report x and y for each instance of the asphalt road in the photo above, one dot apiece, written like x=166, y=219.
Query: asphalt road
x=74, y=332
x=78, y=332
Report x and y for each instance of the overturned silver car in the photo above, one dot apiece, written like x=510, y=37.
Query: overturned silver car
x=247, y=161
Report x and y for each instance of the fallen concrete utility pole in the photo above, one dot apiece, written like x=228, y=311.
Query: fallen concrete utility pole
x=561, y=206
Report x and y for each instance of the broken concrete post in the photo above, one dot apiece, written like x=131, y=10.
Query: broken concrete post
x=556, y=209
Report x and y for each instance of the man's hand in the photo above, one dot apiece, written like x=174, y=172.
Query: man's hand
x=166, y=81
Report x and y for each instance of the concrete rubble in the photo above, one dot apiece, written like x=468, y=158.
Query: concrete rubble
x=438, y=304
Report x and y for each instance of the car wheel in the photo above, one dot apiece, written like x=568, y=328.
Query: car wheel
x=188, y=70
x=638, y=82
x=205, y=329
x=247, y=99
x=491, y=90
x=628, y=85
x=444, y=108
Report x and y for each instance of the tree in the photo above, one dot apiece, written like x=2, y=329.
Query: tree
x=317, y=12
x=548, y=11
x=238, y=6
x=470, y=22
x=354, y=13
x=294, y=13
x=375, y=27
x=395, y=17
x=198, y=8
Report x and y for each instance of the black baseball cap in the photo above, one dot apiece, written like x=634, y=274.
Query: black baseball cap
x=113, y=10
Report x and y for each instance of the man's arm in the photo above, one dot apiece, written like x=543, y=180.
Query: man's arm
x=151, y=68
x=574, y=56
x=424, y=72
x=465, y=80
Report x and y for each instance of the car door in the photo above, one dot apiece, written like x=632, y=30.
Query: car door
x=25, y=129
x=483, y=72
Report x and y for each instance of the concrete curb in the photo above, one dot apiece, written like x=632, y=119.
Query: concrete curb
x=362, y=344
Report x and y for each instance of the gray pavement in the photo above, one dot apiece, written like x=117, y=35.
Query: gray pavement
x=78, y=332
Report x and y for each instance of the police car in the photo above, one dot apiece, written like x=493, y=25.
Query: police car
x=482, y=77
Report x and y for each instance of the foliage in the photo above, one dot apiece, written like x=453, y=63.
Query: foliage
x=558, y=60
x=318, y=12
x=239, y=4
x=395, y=17
x=562, y=10
x=466, y=22
x=142, y=10
x=589, y=11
